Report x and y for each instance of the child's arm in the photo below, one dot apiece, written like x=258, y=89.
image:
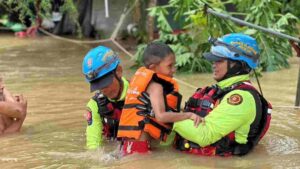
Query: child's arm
x=155, y=91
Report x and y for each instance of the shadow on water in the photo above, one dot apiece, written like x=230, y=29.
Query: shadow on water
x=48, y=73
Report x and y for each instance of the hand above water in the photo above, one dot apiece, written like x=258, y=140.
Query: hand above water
x=196, y=118
x=23, y=104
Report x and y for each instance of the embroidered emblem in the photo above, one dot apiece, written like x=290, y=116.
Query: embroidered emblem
x=88, y=117
x=235, y=99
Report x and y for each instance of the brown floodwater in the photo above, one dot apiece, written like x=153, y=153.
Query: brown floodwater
x=48, y=73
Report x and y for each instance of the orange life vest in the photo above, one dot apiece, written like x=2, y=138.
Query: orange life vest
x=132, y=121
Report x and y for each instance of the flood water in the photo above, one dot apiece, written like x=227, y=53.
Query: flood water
x=48, y=73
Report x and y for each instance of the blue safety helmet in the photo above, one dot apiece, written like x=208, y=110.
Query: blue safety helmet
x=234, y=46
x=98, y=67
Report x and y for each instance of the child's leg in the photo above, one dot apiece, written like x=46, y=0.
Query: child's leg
x=136, y=146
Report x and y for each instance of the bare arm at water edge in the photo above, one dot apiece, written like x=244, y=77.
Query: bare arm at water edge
x=11, y=124
x=16, y=109
x=11, y=106
x=155, y=91
x=12, y=111
x=15, y=126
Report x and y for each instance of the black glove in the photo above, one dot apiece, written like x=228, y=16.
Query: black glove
x=105, y=107
x=146, y=108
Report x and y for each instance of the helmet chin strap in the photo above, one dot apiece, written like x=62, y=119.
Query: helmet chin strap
x=120, y=86
x=258, y=83
x=235, y=68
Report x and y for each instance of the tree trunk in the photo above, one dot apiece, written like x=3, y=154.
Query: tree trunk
x=297, y=103
x=150, y=22
x=137, y=12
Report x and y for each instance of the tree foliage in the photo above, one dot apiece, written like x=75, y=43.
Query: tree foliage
x=190, y=44
x=40, y=8
x=274, y=51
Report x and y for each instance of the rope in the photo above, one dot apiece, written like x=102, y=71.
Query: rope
x=106, y=40
x=4, y=28
x=291, y=107
x=121, y=47
x=72, y=40
x=112, y=39
x=186, y=84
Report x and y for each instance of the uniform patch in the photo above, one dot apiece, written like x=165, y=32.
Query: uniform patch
x=235, y=99
x=89, y=117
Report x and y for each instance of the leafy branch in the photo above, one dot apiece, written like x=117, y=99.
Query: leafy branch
x=191, y=42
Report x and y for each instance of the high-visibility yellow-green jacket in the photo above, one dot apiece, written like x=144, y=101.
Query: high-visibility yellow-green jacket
x=224, y=118
x=95, y=126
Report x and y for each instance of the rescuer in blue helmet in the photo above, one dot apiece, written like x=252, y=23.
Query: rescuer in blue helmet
x=101, y=69
x=236, y=115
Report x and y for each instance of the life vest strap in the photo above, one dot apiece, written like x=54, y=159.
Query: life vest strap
x=163, y=129
x=129, y=106
x=142, y=125
x=129, y=128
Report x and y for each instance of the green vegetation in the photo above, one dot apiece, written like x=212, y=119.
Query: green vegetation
x=42, y=9
x=198, y=26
